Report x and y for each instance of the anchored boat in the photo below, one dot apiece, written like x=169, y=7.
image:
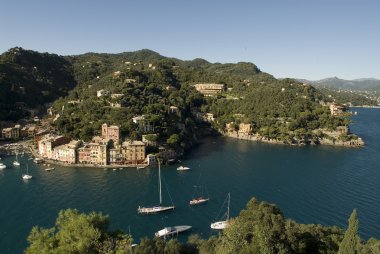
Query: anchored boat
x=224, y=223
x=159, y=208
x=168, y=231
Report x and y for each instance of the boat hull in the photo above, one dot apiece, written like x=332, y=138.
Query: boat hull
x=219, y=225
x=198, y=201
x=155, y=209
x=27, y=177
x=169, y=231
x=181, y=168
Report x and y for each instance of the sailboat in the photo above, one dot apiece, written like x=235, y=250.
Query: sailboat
x=175, y=230
x=16, y=162
x=27, y=176
x=159, y=208
x=198, y=197
x=225, y=223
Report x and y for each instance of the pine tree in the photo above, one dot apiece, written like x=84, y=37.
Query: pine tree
x=350, y=242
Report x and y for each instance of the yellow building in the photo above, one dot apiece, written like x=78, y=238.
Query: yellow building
x=133, y=152
x=99, y=151
x=11, y=133
x=210, y=89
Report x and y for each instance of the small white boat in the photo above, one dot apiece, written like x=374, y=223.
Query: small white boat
x=27, y=176
x=197, y=201
x=114, y=169
x=49, y=169
x=168, y=231
x=225, y=223
x=16, y=163
x=182, y=168
x=2, y=166
x=140, y=167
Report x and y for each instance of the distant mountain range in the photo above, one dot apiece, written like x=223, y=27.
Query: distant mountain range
x=369, y=84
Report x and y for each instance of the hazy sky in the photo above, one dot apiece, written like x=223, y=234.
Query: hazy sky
x=310, y=39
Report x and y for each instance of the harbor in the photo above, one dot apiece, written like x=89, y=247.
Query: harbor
x=309, y=184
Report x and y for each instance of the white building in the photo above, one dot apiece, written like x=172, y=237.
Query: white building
x=102, y=93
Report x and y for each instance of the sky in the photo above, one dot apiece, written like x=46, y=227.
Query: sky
x=311, y=39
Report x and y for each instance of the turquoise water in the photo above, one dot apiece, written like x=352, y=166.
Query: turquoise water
x=310, y=185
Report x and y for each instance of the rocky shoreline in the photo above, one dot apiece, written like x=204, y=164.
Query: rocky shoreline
x=324, y=141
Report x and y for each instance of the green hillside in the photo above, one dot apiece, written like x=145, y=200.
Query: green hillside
x=29, y=79
x=161, y=89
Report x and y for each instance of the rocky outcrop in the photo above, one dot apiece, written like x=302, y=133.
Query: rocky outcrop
x=295, y=142
x=335, y=142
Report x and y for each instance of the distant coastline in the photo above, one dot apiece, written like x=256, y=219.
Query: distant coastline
x=257, y=138
x=365, y=106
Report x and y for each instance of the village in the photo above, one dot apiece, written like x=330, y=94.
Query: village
x=108, y=149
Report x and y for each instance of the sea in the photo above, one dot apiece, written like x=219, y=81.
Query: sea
x=311, y=184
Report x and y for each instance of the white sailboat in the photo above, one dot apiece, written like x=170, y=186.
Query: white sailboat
x=16, y=163
x=225, y=223
x=159, y=208
x=27, y=176
x=183, y=168
x=168, y=231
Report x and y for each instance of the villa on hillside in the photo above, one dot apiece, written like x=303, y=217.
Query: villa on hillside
x=210, y=89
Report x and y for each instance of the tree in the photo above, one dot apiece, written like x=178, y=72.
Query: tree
x=173, y=140
x=351, y=241
x=76, y=232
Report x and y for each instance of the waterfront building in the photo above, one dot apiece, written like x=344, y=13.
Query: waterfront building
x=210, y=89
x=143, y=124
x=116, y=156
x=84, y=154
x=39, y=136
x=99, y=151
x=151, y=159
x=336, y=109
x=133, y=152
x=166, y=153
x=111, y=132
x=12, y=132
x=245, y=128
x=47, y=144
x=67, y=153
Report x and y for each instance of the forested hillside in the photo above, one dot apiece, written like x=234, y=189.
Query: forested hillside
x=29, y=79
x=162, y=89
x=260, y=228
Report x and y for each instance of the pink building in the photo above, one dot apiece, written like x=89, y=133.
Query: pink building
x=111, y=132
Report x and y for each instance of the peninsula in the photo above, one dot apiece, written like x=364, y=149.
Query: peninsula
x=137, y=103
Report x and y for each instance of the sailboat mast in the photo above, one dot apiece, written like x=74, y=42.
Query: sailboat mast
x=159, y=181
x=228, y=207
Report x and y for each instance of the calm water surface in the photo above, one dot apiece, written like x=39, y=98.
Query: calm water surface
x=310, y=184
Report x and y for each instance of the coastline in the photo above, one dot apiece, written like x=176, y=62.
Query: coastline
x=260, y=139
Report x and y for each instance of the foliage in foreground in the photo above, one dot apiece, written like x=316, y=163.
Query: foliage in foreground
x=260, y=228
